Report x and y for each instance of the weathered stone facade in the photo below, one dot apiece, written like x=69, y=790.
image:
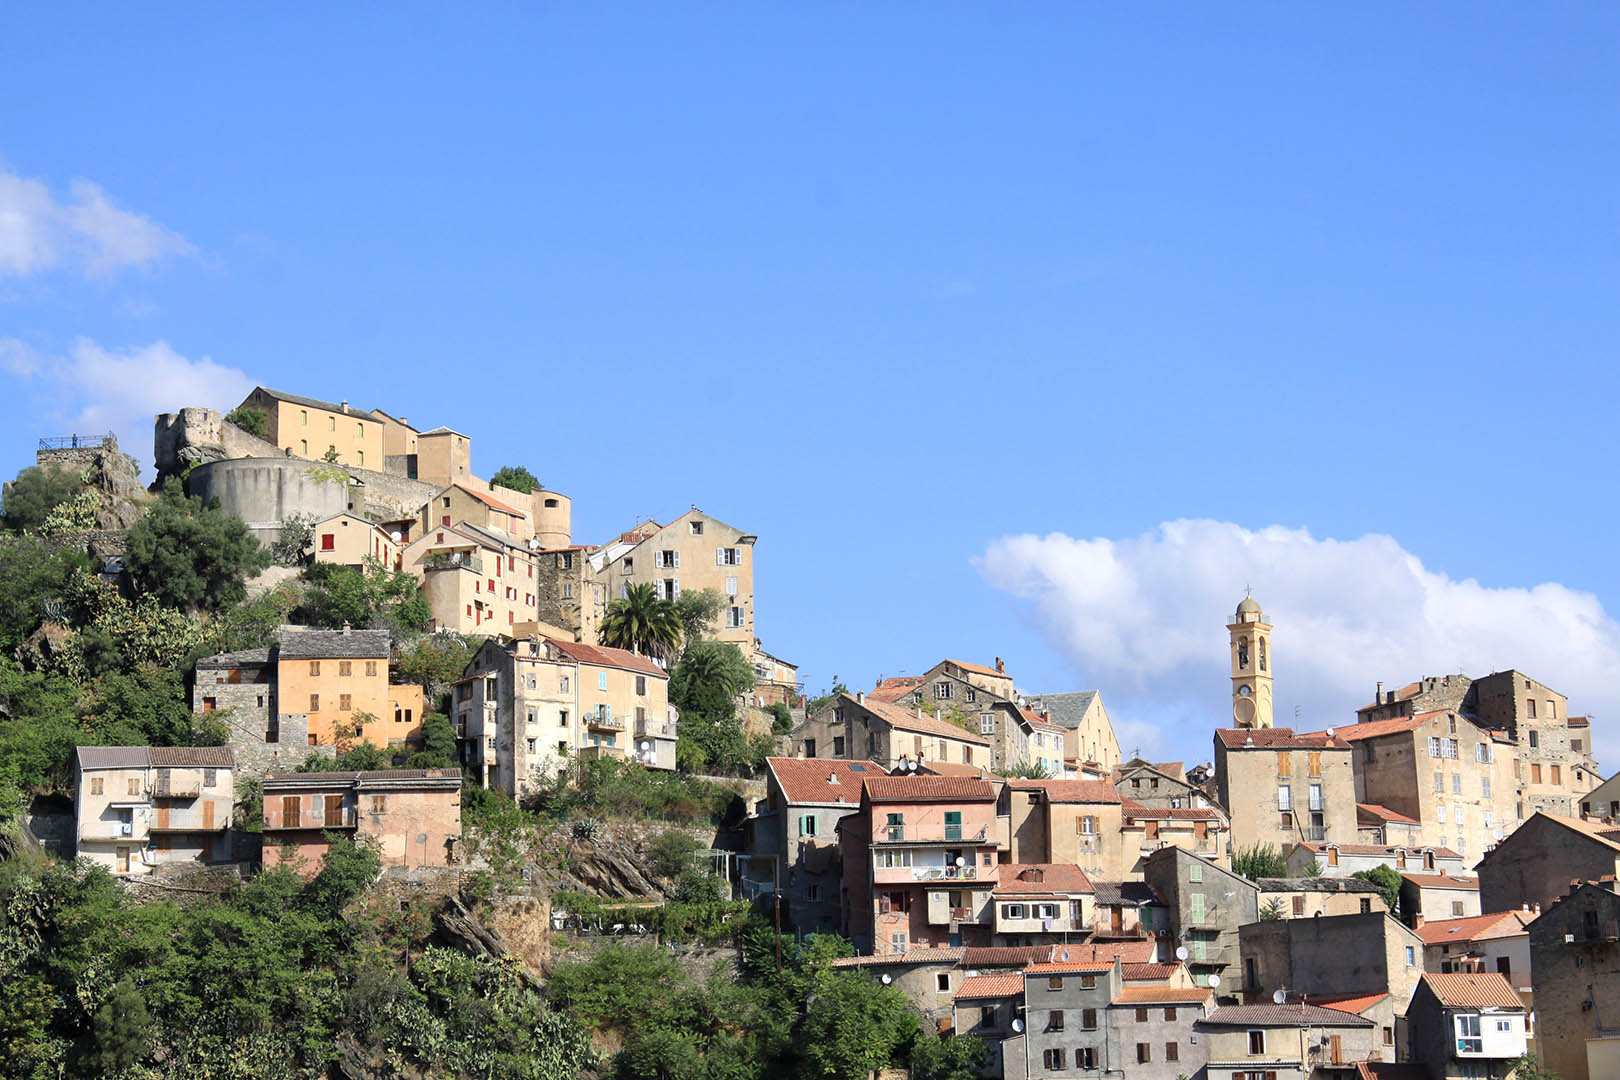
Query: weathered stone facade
x=1538, y=861
x=1330, y=954
x=1575, y=975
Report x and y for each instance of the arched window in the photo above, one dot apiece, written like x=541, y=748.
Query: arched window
x=1243, y=652
x=1262, y=654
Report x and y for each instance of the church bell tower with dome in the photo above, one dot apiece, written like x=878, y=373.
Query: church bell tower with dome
x=1251, y=665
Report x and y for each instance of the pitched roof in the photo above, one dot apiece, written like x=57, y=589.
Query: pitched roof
x=602, y=656
x=112, y=757
x=978, y=669
x=1497, y=924
x=989, y=956
x=1297, y=1015
x=1389, y=1070
x=1596, y=830
x=1576, y=721
x=1384, y=813
x=241, y=658
x=1278, y=738
x=1372, y=729
x=1442, y=881
x=1067, y=709
x=1350, y=1003
x=1148, y=995
x=1148, y=972
x=1071, y=791
x=1042, y=879
x=302, y=643
x=317, y=403
x=192, y=757
x=821, y=781
x=928, y=789
x=1135, y=953
x=1134, y=809
x=1381, y=849
x=490, y=501
x=991, y=986
x=894, y=688
x=909, y=720
x=910, y=956
x=363, y=777
x=1073, y=965
x=1315, y=884
x=1113, y=893
x=1468, y=990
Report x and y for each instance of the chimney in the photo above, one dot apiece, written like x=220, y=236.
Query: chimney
x=1417, y=922
x=919, y=711
x=860, y=696
x=1380, y=695
x=878, y=681
x=1001, y=666
x=344, y=405
x=345, y=627
x=1536, y=909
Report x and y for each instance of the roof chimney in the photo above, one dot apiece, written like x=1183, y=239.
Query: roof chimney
x=1379, y=696
x=919, y=711
x=860, y=696
x=1001, y=665
x=344, y=405
x=345, y=626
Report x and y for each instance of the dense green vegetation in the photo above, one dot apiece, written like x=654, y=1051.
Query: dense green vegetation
x=704, y=686
x=36, y=492
x=642, y=622
x=515, y=477
x=189, y=555
x=251, y=420
x=1261, y=860
x=1388, y=881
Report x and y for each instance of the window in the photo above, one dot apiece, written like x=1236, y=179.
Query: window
x=1088, y=1019
x=345, y=668
x=1468, y=1036
x=96, y=785
x=314, y=667
x=210, y=777
x=531, y=743
x=1389, y=1036
x=1144, y=1052
x=1439, y=782
x=1088, y=982
x=970, y=695
x=1196, y=901
x=1141, y=1016
x=1285, y=797
x=1411, y=955
x=1257, y=1043
x=1457, y=908
x=897, y=942
x=1575, y=745
x=134, y=786
x=1535, y=773
x=1485, y=788
x=1333, y=856
x=1316, y=796
x=812, y=893
x=1016, y=911
x=838, y=746
x=328, y=541
x=736, y=616
x=562, y=717
x=728, y=556
x=314, y=703
x=1299, y=905
x=807, y=825
x=1535, y=739
x=1315, y=764
x=1054, y=1019
x=345, y=702
x=1052, y=1059
x=1434, y=746
x=601, y=680
x=1172, y=1052
x=1451, y=749
x=1457, y=812
x=987, y=723
x=942, y=690
x=1285, y=763
x=1490, y=819
x=1530, y=708
x=641, y=685
x=1085, y=1057
x=1366, y=906
x=1456, y=783
x=360, y=456
x=1440, y=812
x=942, y=982
x=1557, y=773
x=1195, y=872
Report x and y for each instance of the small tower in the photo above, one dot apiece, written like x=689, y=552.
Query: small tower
x=1251, y=665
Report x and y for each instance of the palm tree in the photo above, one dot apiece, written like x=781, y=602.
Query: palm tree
x=642, y=622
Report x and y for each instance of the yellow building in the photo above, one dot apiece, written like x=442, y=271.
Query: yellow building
x=476, y=580
x=333, y=676
x=459, y=502
x=1251, y=666
x=695, y=551
x=349, y=540
x=310, y=428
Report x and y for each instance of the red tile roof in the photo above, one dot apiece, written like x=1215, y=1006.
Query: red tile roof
x=1278, y=738
x=1070, y=966
x=908, y=719
x=1071, y=791
x=1384, y=813
x=983, y=956
x=1146, y=995
x=979, y=669
x=894, y=688
x=1372, y=729
x=1148, y=972
x=910, y=956
x=991, y=986
x=1135, y=809
x=1350, y=1003
x=821, y=781
x=1382, y=849
x=1442, y=881
x=1046, y=879
x=1475, y=927
x=1389, y=1070
x=492, y=502
x=1463, y=990
x=603, y=656
x=903, y=789
x=1576, y=721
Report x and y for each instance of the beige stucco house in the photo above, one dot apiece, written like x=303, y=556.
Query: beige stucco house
x=138, y=807
x=310, y=428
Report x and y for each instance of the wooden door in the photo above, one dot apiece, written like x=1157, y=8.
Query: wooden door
x=334, y=811
x=1152, y=829
x=1116, y=919
x=289, y=812
x=163, y=813
x=208, y=813
x=165, y=843
x=208, y=849
x=1337, y=1049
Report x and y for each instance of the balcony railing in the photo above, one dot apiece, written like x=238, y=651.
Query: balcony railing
x=188, y=823
x=77, y=442
x=655, y=728
x=604, y=723
x=933, y=834
x=588, y=752
x=178, y=787
x=453, y=560
x=1316, y=833
x=107, y=830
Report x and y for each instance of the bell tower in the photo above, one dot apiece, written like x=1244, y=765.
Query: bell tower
x=1251, y=665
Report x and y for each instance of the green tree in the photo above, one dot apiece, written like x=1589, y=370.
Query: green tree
x=346, y=869
x=251, y=420
x=1261, y=860
x=1528, y=1067
x=699, y=612
x=295, y=541
x=1389, y=886
x=375, y=597
x=123, y=1028
x=32, y=575
x=641, y=622
x=670, y=852
x=828, y=694
x=189, y=555
x=37, y=491
x=1271, y=910
x=708, y=679
x=781, y=718
x=438, y=747
x=515, y=478
x=1028, y=770
x=436, y=661
x=950, y=1057
x=853, y=1025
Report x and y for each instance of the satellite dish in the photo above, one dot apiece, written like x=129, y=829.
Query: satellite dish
x=646, y=746
x=887, y=979
x=394, y=536
x=1214, y=982
x=1279, y=996
x=1065, y=955
x=959, y=861
x=1181, y=952
x=1330, y=734
x=1017, y=1024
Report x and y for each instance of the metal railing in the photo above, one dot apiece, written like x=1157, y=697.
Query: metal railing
x=454, y=560
x=77, y=442
x=939, y=834
x=343, y=820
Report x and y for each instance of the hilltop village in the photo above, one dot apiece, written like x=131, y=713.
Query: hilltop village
x=321, y=655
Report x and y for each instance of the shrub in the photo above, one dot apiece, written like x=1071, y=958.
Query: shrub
x=251, y=420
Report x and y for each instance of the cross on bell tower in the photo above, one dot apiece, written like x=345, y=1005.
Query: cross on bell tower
x=1251, y=664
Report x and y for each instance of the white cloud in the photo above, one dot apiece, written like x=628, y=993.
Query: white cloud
x=87, y=231
x=97, y=389
x=1144, y=619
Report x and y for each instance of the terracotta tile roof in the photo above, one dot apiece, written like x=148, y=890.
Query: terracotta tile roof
x=1576, y=721
x=1350, y=1003
x=1373, y=729
x=1070, y=966
x=1034, y=720
x=990, y=986
x=1049, y=879
x=1071, y=791
x=194, y=757
x=982, y=956
x=894, y=688
x=1298, y=1015
x=1442, y=881
x=978, y=669
x=1180, y=813
x=1384, y=813
x=1464, y=990
x=602, y=656
x=1149, y=995
x=1113, y=893
x=1129, y=953
x=1278, y=738
x=1498, y=924
x=491, y=502
x=821, y=781
x=1148, y=972
x=1405, y=693
x=1389, y=1070
x=888, y=789
x=1383, y=849
x=908, y=720
x=910, y=956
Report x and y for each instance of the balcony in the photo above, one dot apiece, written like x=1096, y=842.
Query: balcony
x=655, y=729
x=178, y=785
x=932, y=834
x=343, y=819
x=453, y=560
x=1315, y=833
x=602, y=722
x=107, y=830
x=588, y=753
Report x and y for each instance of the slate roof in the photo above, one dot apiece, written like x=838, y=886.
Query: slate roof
x=1384, y=813
x=192, y=757
x=928, y=789
x=1596, y=830
x=1067, y=709
x=809, y=781
x=1271, y=1015
x=112, y=757
x=1388, y=850
x=1114, y=893
x=317, y=403
x=908, y=720
x=242, y=658
x=990, y=986
x=1475, y=927
x=602, y=656
x=306, y=644
x=1315, y=884
x=1278, y=738
x=1071, y=791
x=1442, y=881
x=1467, y=990
x=1166, y=995
x=1054, y=878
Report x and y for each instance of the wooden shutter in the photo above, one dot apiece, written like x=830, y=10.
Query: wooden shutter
x=334, y=810
x=289, y=811
x=1285, y=764
x=208, y=813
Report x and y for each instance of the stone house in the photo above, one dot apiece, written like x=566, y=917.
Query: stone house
x=1285, y=1042
x=1308, y=897
x=414, y=815
x=1345, y=860
x=567, y=593
x=1067, y=821
x=1128, y=911
x=695, y=551
x=1205, y=904
x=1451, y=774
x=139, y=807
x=1040, y=903
x=1536, y=863
x=795, y=830
x=1438, y=896
x=985, y=1006
x=919, y=863
x=1145, y=829
x=894, y=736
x=1159, y=784
x=1498, y=942
x=350, y=540
x=526, y=706
x=310, y=428
x=1330, y=954
x=776, y=681
x=1020, y=737
x=1382, y=826
x=475, y=579
x=1066, y=1013
x=459, y=503
x=1575, y=973
x=1466, y=1025
x=929, y=977
x=1602, y=803
x=1088, y=738
x=1152, y=1031
x=1280, y=788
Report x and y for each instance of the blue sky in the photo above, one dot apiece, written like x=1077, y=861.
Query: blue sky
x=894, y=287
